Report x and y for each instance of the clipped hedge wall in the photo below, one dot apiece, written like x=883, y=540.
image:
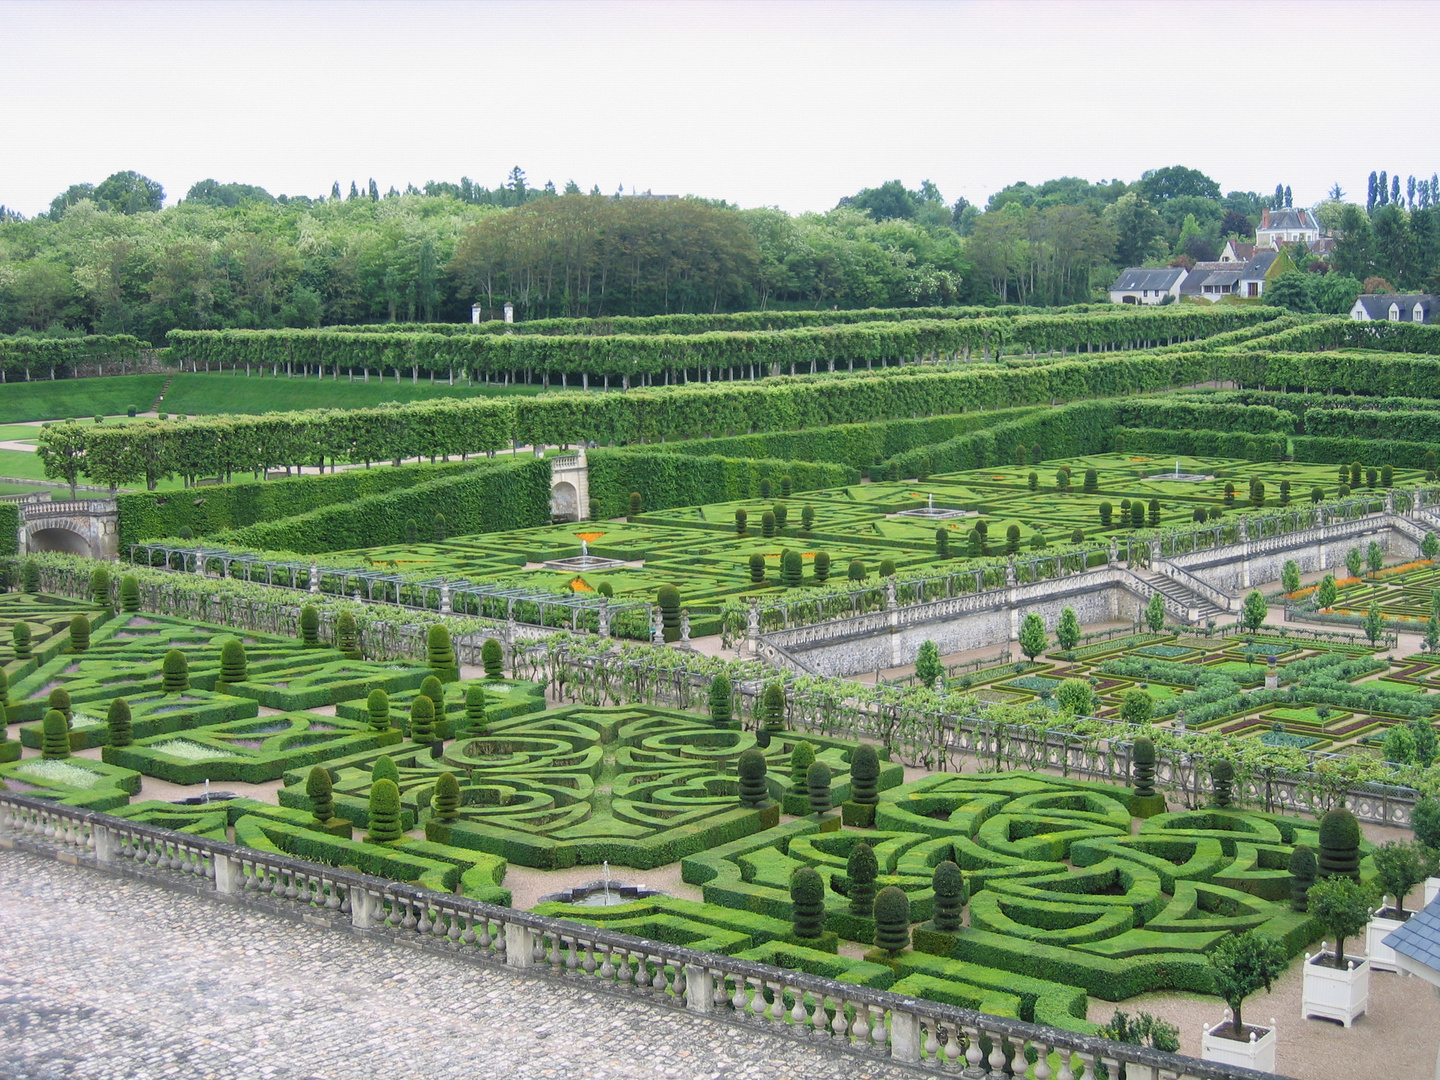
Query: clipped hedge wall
x=9, y=529
x=1067, y=431
x=503, y=495
x=146, y=515
x=668, y=480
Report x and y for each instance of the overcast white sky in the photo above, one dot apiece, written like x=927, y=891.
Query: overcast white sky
x=788, y=104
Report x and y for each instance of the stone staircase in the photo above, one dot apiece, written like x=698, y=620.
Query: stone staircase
x=1181, y=594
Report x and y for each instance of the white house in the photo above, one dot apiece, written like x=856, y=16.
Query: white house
x=1404, y=307
x=1251, y=282
x=1237, y=251
x=1147, y=285
x=1290, y=225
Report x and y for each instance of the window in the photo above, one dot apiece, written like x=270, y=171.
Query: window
x=1394, y=312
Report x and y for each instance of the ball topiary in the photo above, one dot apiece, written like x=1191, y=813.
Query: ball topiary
x=310, y=626
x=175, y=672
x=667, y=598
x=1303, y=870
x=862, y=868
x=1222, y=782
x=492, y=659
x=750, y=768
x=321, y=793
x=950, y=896
x=864, y=775
x=887, y=567
x=54, y=736
x=477, y=718
x=772, y=707
x=807, y=902
x=129, y=593
x=233, y=663
x=801, y=758
x=856, y=570
x=439, y=653
x=422, y=719
x=347, y=636
x=446, y=800
x=384, y=769
x=1339, y=845
x=722, y=695
x=377, y=705
x=79, y=634
x=100, y=586
x=59, y=700
x=1142, y=767
x=117, y=723
x=817, y=787
x=20, y=640
x=892, y=920
x=384, y=812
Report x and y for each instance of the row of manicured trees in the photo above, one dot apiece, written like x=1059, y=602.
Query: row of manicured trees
x=792, y=568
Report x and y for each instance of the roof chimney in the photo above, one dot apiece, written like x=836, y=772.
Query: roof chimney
x=1265, y=218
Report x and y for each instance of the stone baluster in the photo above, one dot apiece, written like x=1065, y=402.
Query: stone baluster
x=1087, y=1061
x=776, y=1011
x=997, y=1056
x=1066, y=1060
x=952, y=1044
x=1042, y=1062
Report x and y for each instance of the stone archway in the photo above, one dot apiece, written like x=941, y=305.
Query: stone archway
x=59, y=539
x=564, y=502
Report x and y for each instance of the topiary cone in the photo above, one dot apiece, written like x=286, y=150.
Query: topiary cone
x=234, y=664
x=492, y=659
x=1339, y=845
x=79, y=634
x=378, y=706
x=384, y=769
x=862, y=868
x=950, y=892
x=20, y=639
x=384, y=812
x=4, y=693
x=1222, y=782
x=1142, y=767
x=54, y=736
x=722, y=696
x=1303, y=868
x=477, y=719
x=446, y=800
x=175, y=672
x=807, y=902
x=320, y=791
x=439, y=653
x=129, y=593
x=817, y=787
x=801, y=758
x=117, y=723
x=864, y=775
x=310, y=626
x=432, y=688
x=892, y=920
x=422, y=719
x=750, y=768
x=347, y=636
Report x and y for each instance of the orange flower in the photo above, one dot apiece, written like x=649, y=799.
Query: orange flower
x=579, y=585
x=588, y=537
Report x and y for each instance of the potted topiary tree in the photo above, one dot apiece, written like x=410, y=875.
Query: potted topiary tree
x=1243, y=964
x=1338, y=987
x=1400, y=866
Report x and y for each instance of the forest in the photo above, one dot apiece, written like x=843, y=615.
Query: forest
x=113, y=259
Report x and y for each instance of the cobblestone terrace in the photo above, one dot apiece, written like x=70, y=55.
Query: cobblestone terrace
x=101, y=977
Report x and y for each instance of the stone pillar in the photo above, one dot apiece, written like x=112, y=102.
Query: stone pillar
x=904, y=1036
x=604, y=616
x=314, y=578
x=225, y=876
x=104, y=844
x=699, y=989
x=519, y=946
x=1272, y=675
x=199, y=563
x=1010, y=572
x=446, y=607
x=1113, y=556
x=657, y=625
x=752, y=629
x=360, y=916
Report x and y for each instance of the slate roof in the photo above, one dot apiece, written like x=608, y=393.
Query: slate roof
x=1244, y=250
x=1139, y=277
x=1255, y=269
x=1291, y=217
x=1377, y=305
x=1419, y=936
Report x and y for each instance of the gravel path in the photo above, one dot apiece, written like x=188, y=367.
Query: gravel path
x=105, y=978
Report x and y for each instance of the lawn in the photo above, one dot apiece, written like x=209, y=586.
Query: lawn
x=77, y=397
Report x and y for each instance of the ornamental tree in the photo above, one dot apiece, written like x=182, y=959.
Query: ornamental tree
x=54, y=736
x=446, y=801
x=1155, y=613
x=1075, y=697
x=492, y=659
x=1067, y=630
x=1303, y=870
x=1142, y=767
x=1290, y=576
x=439, y=652
x=1253, y=611
x=862, y=868
x=347, y=636
x=1374, y=624
x=757, y=569
x=801, y=758
x=377, y=706
x=321, y=792
x=79, y=634
x=742, y=519
x=100, y=586
x=1340, y=845
x=892, y=920
x=772, y=707
x=310, y=626
x=822, y=567
x=1400, y=866
x=20, y=640
x=722, y=700
x=422, y=719
x=1243, y=964
x=950, y=892
x=384, y=812
x=477, y=717
x=1430, y=546
x=1325, y=592
x=1425, y=820
x=928, y=668
x=817, y=787
x=129, y=593
x=1342, y=906
x=1136, y=707
x=175, y=673
x=1032, y=635
x=1354, y=561
x=864, y=775
x=1222, y=784
x=384, y=769
x=233, y=662
x=807, y=902
x=750, y=768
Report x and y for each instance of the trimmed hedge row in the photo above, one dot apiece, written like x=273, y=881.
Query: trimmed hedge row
x=1326, y=451
x=55, y=358
x=1068, y=431
x=1372, y=373
x=148, y=514
x=9, y=529
x=501, y=496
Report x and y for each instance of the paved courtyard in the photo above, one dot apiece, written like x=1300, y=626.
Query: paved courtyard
x=101, y=977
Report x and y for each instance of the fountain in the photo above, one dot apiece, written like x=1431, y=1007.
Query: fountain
x=602, y=893
x=1183, y=477
x=931, y=512
x=583, y=561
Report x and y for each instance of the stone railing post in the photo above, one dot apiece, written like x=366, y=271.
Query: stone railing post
x=603, y=614
x=699, y=989
x=904, y=1036
x=314, y=578
x=519, y=946
x=104, y=844
x=752, y=629
x=225, y=874
x=446, y=604
x=361, y=910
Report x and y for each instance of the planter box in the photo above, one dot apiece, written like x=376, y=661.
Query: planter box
x=1334, y=994
x=1258, y=1053
x=1380, y=955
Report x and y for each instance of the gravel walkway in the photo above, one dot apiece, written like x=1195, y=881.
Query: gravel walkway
x=102, y=977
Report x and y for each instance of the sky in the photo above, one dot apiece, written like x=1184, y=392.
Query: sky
x=789, y=104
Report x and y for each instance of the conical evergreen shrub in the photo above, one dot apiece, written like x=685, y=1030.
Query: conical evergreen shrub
x=310, y=626
x=347, y=636
x=1339, y=845
x=1142, y=767
x=439, y=653
x=892, y=920
x=79, y=634
x=378, y=706
x=721, y=700
x=234, y=665
x=492, y=658
x=54, y=736
x=422, y=719
x=817, y=787
x=384, y=811
x=477, y=719
x=807, y=902
x=117, y=723
x=750, y=767
x=100, y=586
x=59, y=700
x=862, y=868
x=949, y=886
x=801, y=758
x=1303, y=870
x=1222, y=783
x=864, y=775
x=321, y=793
x=20, y=640
x=175, y=672
x=129, y=593
x=772, y=707
x=446, y=800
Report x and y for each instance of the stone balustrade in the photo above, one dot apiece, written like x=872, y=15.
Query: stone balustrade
x=849, y=1019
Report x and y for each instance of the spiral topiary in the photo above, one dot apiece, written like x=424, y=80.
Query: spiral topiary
x=750, y=768
x=862, y=868
x=59, y=700
x=864, y=775
x=377, y=705
x=422, y=719
x=79, y=633
x=477, y=718
x=667, y=598
x=892, y=920
x=321, y=792
x=1142, y=767
x=117, y=723
x=234, y=665
x=384, y=812
x=20, y=640
x=772, y=707
x=807, y=902
x=54, y=736
x=384, y=769
x=175, y=673
x=492, y=659
x=129, y=593
x=949, y=886
x=1339, y=845
x=432, y=688
x=310, y=626
x=1222, y=782
x=347, y=636
x=722, y=700
x=1303, y=870
x=439, y=653
x=100, y=586
x=801, y=758
x=446, y=800
x=817, y=787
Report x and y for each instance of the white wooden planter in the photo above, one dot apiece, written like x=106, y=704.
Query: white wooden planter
x=1258, y=1053
x=1380, y=955
x=1432, y=889
x=1335, y=994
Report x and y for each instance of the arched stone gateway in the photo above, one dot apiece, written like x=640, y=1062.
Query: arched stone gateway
x=90, y=527
x=569, y=487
